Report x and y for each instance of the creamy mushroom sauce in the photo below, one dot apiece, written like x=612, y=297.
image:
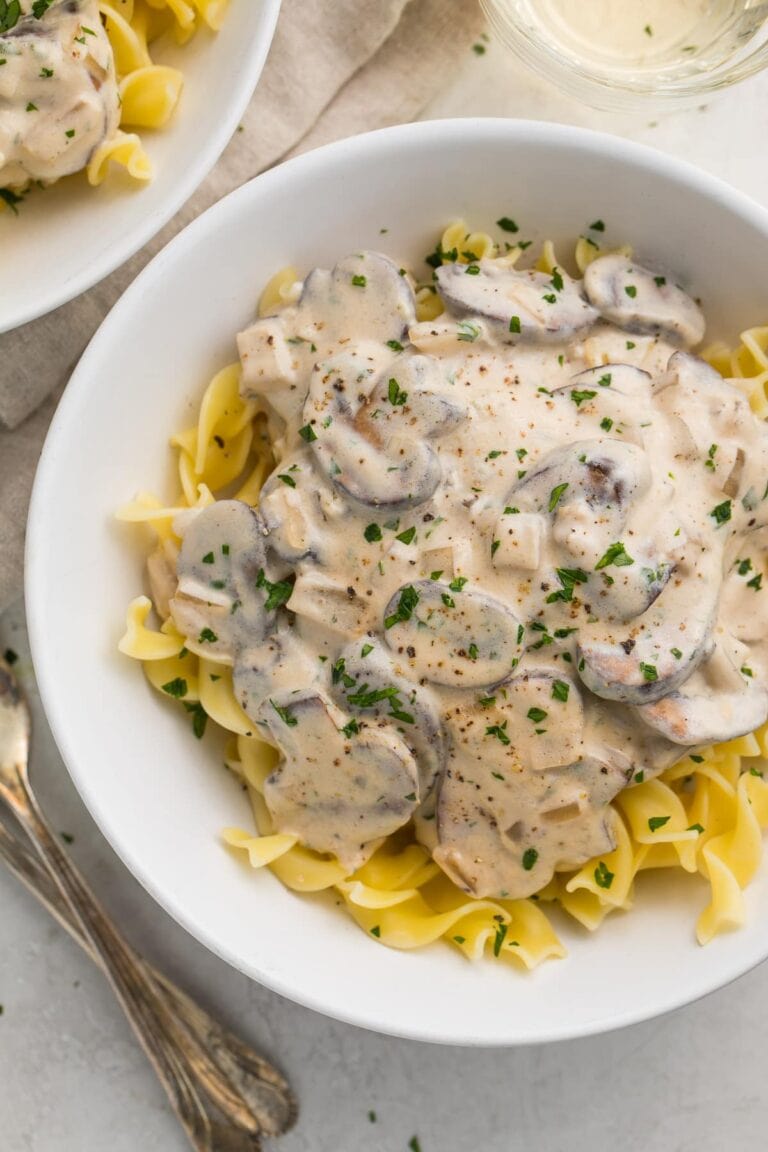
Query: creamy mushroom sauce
x=58, y=91
x=510, y=560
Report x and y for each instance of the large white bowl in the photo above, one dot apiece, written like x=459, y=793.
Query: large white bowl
x=69, y=238
x=160, y=796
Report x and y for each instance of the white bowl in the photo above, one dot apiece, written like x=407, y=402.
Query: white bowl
x=69, y=238
x=158, y=795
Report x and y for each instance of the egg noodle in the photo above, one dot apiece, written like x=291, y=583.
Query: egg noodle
x=148, y=92
x=704, y=815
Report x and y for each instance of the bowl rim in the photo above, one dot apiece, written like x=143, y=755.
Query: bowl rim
x=446, y=131
x=118, y=253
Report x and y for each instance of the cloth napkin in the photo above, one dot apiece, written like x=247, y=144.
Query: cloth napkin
x=336, y=68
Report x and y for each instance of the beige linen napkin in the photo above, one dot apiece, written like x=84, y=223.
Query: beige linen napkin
x=336, y=67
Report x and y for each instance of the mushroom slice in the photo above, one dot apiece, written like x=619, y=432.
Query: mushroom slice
x=662, y=647
x=338, y=793
x=274, y=665
x=372, y=686
x=460, y=638
x=372, y=433
x=526, y=306
x=719, y=704
x=504, y=826
x=587, y=487
x=364, y=297
x=223, y=592
x=622, y=378
x=640, y=301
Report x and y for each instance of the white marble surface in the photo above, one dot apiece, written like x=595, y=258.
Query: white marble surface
x=72, y=1078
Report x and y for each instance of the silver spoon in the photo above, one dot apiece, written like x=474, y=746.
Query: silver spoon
x=243, y=1096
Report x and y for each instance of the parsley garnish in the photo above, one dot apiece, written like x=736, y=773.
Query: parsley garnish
x=580, y=395
x=721, y=513
x=199, y=718
x=603, y=878
x=373, y=533
x=657, y=822
x=359, y=281
x=507, y=225
x=395, y=393
x=606, y=423
x=176, y=688
x=409, y=598
x=514, y=324
x=597, y=226
x=308, y=433
x=560, y=690
x=530, y=856
x=207, y=637
x=499, y=731
x=649, y=671
x=395, y=345
x=569, y=578
x=277, y=594
x=501, y=932
x=284, y=714
x=616, y=554
x=631, y=291
x=407, y=536
x=555, y=496
x=536, y=715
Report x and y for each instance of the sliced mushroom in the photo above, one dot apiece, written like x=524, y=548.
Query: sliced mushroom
x=587, y=487
x=519, y=307
x=223, y=591
x=622, y=378
x=338, y=793
x=372, y=431
x=505, y=824
x=363, y=298
x=276, y=664
x=640, y=301
x=371, y=686
x=463, y=639
x=662, y=647
x=720, y=704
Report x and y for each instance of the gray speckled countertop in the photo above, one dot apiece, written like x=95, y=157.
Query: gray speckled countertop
x=73, y=1080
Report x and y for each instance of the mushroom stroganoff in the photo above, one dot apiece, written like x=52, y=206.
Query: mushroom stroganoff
x=502, y=582
x=74, y=72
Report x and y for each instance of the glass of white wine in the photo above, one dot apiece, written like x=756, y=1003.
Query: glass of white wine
x=619, y=54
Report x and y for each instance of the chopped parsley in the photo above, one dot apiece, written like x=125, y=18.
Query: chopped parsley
x=603, y=878
x=579, y=395
x=536, y=715
x=501, y=932
x=721, y=513
x=376, y=931
x=555, y=496
x=507, y=225
x=395, y=345
x=467, y=332
x=606, y=423
x=530, y=856
x=560, y=690
x=286, y=479
x=617, y=555
x=407, y=536
x=350, y=729
x=395, y=393
x=649, y=672
x=655, y=822
x=569, y=578
x=199, y=718
x=514, y=324
x=207, y=636
x=308, y=433
x=176, y=688
x=457, y=584
x=409, y=598
x=630, y=290
x=373, y=533
x=597, y=226
x=359, y=281
x=676, y=653
x=499, y=731
x=277, y=594
x=284, y=714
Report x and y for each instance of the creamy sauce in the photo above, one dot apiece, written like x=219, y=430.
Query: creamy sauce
x=58, y=92
x=508, y=559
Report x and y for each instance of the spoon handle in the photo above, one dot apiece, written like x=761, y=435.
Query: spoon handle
x=176, y=1054
x=264, y=1089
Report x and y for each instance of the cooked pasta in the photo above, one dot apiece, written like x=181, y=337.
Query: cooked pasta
x=704, y=815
